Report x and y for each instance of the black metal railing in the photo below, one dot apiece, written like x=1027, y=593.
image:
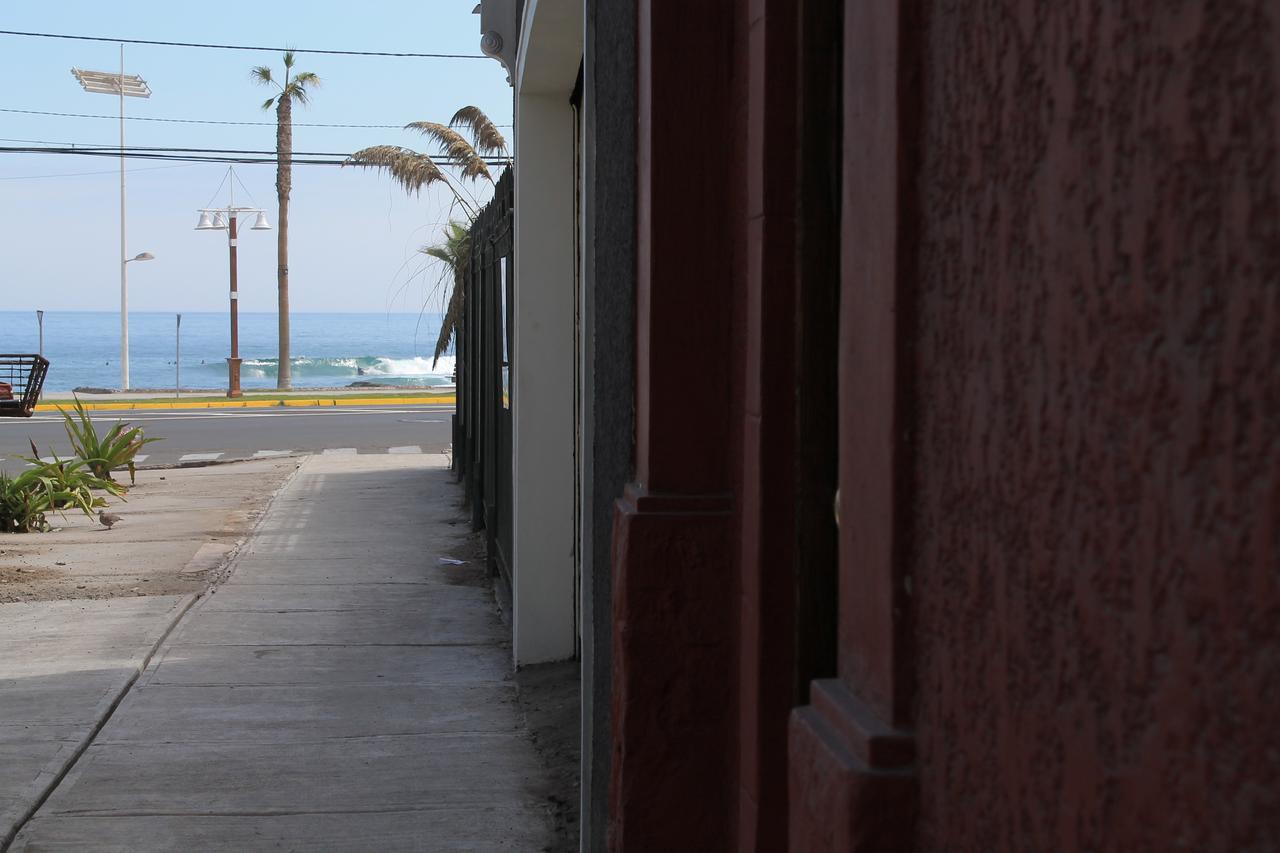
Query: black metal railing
x=482, y=426
x=21, y=380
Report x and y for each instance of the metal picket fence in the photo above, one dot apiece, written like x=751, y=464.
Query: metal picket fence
x=482, y=426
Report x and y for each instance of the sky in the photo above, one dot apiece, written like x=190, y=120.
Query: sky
x=353, y=233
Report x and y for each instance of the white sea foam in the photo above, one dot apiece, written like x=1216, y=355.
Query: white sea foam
x=417, y=366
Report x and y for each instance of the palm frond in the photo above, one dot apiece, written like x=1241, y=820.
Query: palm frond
x=269, y=103
x=410, y=169
x=488, y=139
x=452, y=317
x=440, y=253
x=455, y=253
x=261, y=74
x=301, y=84
x=454, y=146
x=288, y=58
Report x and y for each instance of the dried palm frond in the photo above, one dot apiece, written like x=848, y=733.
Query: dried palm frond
x=410, y=169
x=455, y=147
x=489, y=140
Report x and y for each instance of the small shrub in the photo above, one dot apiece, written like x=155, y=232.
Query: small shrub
x=114, y=450
x=27, y=499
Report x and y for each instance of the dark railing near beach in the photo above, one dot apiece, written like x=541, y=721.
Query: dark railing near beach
x=482, y=425
x=21, y=380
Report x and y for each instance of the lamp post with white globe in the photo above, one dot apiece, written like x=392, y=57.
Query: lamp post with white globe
x=225, y=218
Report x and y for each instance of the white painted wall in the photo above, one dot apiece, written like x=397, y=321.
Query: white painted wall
x=543, y=445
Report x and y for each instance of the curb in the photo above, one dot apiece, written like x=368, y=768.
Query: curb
x=311, y=402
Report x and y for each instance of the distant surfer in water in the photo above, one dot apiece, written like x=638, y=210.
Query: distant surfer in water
x=359, y=371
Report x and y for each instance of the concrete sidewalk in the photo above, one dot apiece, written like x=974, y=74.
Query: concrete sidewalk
x=83, y=608
x=342, y=690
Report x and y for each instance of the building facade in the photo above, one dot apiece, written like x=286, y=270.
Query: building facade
x=911, y=471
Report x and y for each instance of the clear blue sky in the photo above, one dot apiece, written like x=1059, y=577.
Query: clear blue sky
x=352, y=232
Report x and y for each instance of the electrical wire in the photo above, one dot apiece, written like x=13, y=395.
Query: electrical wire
x=88, y=174
x=217, y=155
x=247, y=47
x=206, y=121
x=222, y=184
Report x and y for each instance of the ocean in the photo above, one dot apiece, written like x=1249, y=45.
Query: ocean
x=328, y=350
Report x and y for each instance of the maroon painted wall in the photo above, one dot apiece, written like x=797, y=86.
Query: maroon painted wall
x=1096, y=487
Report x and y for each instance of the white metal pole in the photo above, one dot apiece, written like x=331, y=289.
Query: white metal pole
x=177, y=363
x=40, y=322
x=124, y=267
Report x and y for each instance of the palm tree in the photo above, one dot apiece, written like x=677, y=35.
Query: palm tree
x=455, y=254
x=414, y=170
x=295, y=87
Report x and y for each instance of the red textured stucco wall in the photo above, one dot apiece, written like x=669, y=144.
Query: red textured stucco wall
x=1096, y=488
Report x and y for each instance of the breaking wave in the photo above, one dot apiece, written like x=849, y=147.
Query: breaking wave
x=375, y=368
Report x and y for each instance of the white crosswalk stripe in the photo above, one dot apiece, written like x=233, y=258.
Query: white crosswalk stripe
x=335, y=451
x=267, y=454
x=408, y=448
x=198, y=457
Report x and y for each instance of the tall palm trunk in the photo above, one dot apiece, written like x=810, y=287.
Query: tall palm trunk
x=284, y=183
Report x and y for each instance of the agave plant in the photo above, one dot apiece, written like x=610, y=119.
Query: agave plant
x=116, y=449
x=57, y=486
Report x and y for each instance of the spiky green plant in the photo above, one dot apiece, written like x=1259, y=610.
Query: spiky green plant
x=27, y=499
x=103, y=454
x=295, y=87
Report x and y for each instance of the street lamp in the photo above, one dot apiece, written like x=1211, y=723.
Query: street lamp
x=133, y=86
x=124, y=316
x=225, y=218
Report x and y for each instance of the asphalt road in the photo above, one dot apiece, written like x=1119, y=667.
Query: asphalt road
x=188, y=435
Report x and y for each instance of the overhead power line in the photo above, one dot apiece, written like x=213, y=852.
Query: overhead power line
x=204, y=120
x=195, y=120
x=247, y=47
x=148, y=149
x=88, y=174
x=214, y=155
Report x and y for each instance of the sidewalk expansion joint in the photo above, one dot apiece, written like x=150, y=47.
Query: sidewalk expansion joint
x=514, y=732
x=499, y=644
x=479, y=803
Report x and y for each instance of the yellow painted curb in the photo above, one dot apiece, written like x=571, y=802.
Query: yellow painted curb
x=132, y=405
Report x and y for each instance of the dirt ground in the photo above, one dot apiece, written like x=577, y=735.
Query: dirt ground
x=550, y=700
x=179, y=528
